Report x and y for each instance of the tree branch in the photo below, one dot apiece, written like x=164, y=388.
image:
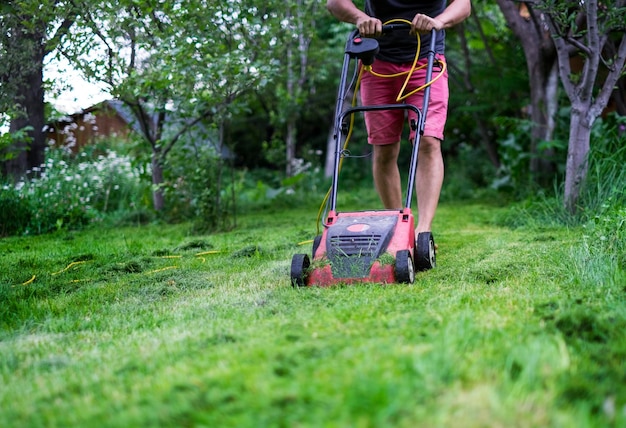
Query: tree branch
x=207, y=113
x=60, y=33
x=592, y=62
x=619, y=67
x=562, y=53
x=140, y=114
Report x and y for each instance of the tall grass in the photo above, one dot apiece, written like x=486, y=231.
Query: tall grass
x=150, y=326
x=602, y=193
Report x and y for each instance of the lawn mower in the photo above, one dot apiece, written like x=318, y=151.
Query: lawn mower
x=376, y=246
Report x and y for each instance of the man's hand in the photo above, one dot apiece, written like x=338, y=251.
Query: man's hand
x=369, y=27
x=424, y=24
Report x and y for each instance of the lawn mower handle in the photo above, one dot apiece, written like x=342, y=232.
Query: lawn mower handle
x=389, y=28
x=350, y=54
x=422, y=119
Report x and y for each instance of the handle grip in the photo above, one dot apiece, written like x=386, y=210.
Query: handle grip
x=389, y=28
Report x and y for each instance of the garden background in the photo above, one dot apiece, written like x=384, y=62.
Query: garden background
x=144, y=278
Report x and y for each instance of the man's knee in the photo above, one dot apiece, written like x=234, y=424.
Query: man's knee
x=430, y=145
x=387, y=153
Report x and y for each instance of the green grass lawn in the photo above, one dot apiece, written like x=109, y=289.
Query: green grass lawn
x=148, y=326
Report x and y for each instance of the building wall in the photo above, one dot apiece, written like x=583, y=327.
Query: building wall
x=76, y=131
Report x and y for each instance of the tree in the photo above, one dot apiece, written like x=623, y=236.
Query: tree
x=29, y=31
x=300, y=63
x=290, y=116
x=528, y=24
x=301, y=18
x=484, y=62
x=584, y=29
x=170, y=63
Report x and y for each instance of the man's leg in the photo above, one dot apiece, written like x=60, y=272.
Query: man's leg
x=428, y=181
x=387, y=175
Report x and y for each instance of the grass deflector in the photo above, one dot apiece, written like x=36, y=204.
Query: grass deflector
x=368, y=246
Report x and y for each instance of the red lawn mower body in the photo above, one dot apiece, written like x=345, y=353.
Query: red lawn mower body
x=362, y=247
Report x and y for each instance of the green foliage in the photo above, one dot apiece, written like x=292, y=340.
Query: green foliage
x=7, y=139
x=15, y=215
x=176, y=67
x=513, y=146
x=606, y=176
x=316, y=61
x=488, y=81
x=197, y=188
x=29, y=31
x=468, y=174
x=514, y=155
x=566, y=17
x=602, y=197
x=69, y=192
x=263, y=188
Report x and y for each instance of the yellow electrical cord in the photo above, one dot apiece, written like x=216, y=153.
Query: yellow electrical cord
x=401, y=96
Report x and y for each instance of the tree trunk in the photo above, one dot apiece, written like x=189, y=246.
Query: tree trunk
x=30, y=103
x=158, y=198
x=577, y=154
x=290, y=143
x=544, y=80
x=541, y=60
x=295, y=82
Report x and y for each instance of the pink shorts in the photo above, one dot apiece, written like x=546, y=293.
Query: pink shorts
x=386, y=126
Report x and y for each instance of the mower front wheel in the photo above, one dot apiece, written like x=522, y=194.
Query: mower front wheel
x=405, y=273
x=299, y=269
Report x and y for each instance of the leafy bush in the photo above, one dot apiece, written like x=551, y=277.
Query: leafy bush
x=196, y=186
x=7, y=140
x=15, y=213
x=70, y=192
x=468, y=174
x=602, y=193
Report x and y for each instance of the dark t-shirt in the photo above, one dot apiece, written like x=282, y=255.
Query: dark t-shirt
x=399, y=46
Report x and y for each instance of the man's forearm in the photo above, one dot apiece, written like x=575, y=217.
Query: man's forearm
x=345, y=10
x=456, y=12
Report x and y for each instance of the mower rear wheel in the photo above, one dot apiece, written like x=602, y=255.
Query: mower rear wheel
x=299, y=268
x=405, y=273
x=316, y=244
x=425, y=253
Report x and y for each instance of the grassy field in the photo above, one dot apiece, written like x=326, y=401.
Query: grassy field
x=148, y=326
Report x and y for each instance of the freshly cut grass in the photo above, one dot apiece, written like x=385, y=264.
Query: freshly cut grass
x=152, y=327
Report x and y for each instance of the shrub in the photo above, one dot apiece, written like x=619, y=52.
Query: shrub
x=195, y=187
x=15, y=213
x=602, y=194
x=70, y=192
